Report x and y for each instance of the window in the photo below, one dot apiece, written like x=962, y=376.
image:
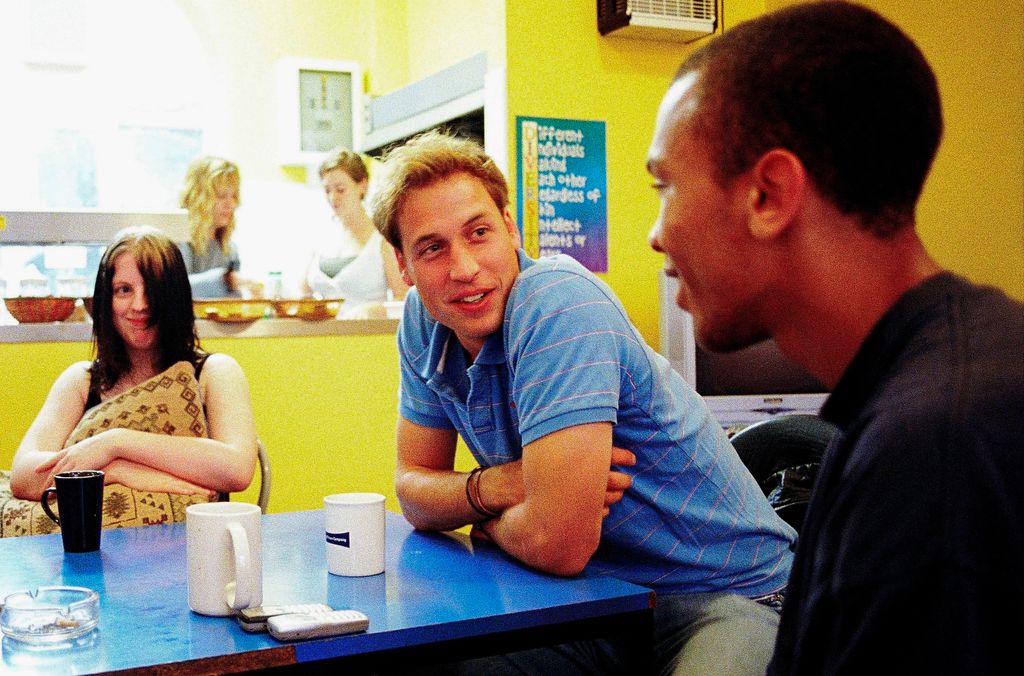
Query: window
x=106, y=103
x=60, y=270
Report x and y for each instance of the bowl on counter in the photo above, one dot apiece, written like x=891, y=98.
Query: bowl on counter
x=40, y=309
x=232, y=309
x=310, y=309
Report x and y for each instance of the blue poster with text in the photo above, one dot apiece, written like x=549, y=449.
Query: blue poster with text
x=562, y=181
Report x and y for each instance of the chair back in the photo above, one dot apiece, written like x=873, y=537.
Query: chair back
x=261, y=454
x=264, y=498
x=783, y=454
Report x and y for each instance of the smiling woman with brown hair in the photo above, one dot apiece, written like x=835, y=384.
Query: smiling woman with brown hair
x=145, y=345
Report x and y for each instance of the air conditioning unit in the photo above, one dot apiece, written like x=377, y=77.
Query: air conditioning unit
x=668, y=20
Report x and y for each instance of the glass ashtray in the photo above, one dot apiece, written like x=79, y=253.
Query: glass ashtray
x=50, y=614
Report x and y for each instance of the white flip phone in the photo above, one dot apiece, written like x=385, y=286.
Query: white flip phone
x=296, y=626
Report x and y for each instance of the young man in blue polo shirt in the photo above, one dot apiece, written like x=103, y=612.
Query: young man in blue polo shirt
x=537, y=367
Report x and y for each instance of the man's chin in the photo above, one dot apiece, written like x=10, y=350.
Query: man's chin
x=681, y=301
x=726, y=339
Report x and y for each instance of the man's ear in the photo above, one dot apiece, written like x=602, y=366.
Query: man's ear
x=403, y=268
x=777, y=190
x=513, y=229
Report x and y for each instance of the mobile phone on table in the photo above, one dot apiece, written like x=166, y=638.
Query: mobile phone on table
x=297, y=626
x=255, y=619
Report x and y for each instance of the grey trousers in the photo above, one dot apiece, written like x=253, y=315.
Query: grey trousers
x=702, y=634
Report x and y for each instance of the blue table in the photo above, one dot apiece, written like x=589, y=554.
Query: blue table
x=441, y=597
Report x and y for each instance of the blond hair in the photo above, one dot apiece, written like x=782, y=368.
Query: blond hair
x=199, y=195
x=423, y=161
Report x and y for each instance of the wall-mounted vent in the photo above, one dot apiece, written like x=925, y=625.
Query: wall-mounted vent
x=671, y=20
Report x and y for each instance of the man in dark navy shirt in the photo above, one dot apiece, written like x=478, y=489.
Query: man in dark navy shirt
x=789, y=156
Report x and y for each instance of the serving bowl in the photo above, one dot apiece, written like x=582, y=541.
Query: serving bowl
x=232, y=309
x=40, y=309
x=49, y=614
x=310, y=309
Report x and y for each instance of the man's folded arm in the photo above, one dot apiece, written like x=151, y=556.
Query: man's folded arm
x=557, y=526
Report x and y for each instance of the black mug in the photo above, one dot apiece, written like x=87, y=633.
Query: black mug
x=80, y=504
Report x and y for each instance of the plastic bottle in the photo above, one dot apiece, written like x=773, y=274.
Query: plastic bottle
x=275, y=285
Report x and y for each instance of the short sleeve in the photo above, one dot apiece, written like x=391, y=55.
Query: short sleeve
x=565, y=337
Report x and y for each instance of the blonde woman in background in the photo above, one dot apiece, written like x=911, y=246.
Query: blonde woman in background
x=360, y=265
x=210, y=195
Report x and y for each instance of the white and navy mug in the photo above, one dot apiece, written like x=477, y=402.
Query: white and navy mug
x=354, y=529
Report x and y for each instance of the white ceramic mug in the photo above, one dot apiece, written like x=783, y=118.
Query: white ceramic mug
x=225, y=569
x=354, y=525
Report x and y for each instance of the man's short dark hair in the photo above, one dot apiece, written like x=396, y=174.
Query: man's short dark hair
x=838, y=85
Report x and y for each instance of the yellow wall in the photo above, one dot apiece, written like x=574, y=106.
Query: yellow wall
x=417, y=38
x=444, y=32
x=387, y=61
x=29, y=369
x=326, y=409
x=972, y=212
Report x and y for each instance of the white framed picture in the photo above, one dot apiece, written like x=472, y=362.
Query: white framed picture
x=320, y=108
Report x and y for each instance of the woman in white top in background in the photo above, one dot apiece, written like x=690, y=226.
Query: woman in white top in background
x=366, y=271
